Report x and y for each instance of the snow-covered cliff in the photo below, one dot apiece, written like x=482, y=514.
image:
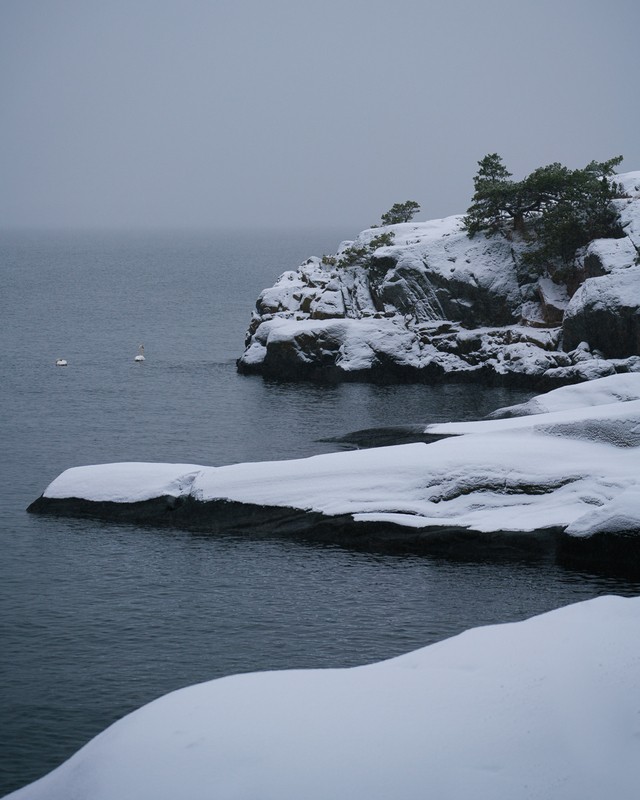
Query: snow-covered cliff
x=436, y=304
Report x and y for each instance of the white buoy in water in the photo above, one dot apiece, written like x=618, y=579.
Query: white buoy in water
x=61, y=362
x=140, y=356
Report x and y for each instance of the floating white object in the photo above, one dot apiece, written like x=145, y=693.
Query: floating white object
x=140, y=356
x=61, y=362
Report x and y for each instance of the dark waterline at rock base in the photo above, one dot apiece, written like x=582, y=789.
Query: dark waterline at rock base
x=388, y=374
x=610, y=554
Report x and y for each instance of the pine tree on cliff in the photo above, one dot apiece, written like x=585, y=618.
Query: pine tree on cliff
x=488, y=210
x=400, y=212
x=557, y=208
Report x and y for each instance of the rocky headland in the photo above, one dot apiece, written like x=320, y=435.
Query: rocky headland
x=436, y=304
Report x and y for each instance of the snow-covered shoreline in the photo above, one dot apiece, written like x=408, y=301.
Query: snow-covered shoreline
x=544, y=708
x=571, y=465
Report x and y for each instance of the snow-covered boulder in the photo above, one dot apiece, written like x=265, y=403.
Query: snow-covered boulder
x=605, y=312
x=609, y=255
x=544, y=708
x=432, y=275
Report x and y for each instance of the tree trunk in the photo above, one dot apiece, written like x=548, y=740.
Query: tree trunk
x=518, y=223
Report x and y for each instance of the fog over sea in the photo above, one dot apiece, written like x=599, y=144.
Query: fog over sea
x=98, y=619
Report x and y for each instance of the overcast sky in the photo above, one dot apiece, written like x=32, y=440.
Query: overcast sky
x=209, y=113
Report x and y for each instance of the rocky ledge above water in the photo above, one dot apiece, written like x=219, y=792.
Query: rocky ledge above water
x=438, y=305
x=556, y=476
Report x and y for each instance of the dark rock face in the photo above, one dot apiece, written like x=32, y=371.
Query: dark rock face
x=601, y=553
x=472, y=304
x=605, y=313
x=307, y=353
x=409, y=291
x=216, y=516
x=593, y=266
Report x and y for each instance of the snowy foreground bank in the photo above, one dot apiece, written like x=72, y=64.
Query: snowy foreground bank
x=571, y=470
x=545, y=708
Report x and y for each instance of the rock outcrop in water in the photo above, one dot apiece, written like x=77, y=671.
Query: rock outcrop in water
x=437, y=305
x=557, y=476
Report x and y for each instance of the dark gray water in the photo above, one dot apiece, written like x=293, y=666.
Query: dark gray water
x=97, y=618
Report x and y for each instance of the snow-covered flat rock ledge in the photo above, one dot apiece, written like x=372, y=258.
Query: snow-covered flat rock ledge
x=568, y=475
x=545, y=708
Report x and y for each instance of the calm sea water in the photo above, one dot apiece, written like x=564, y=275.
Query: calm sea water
x=97, y=618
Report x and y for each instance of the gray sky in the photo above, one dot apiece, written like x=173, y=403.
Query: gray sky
x=209, y=113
